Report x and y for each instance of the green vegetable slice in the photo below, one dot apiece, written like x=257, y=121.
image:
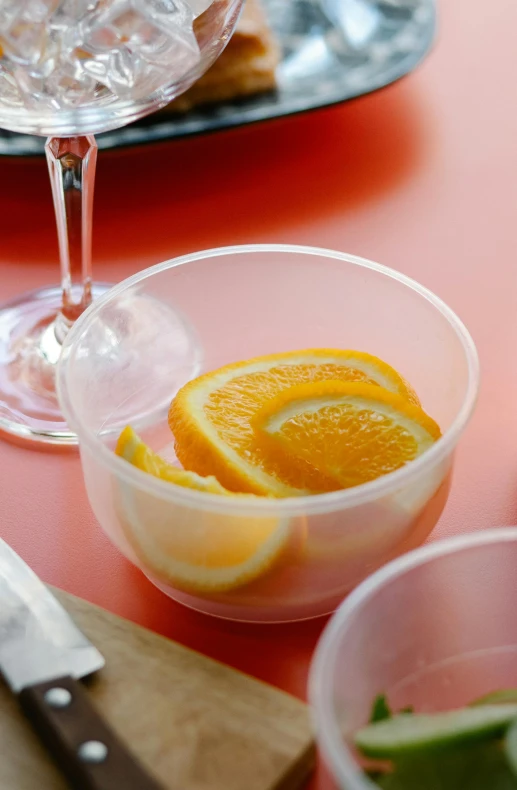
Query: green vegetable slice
x=510, y=748
x=502, y=697
x=480, y=766
x=410, y=733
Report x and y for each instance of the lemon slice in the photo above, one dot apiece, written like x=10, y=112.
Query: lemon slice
x=350, y=433
x=194, y=549
x=211, y=415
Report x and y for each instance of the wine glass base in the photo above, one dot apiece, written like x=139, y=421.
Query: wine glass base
x=29, y=352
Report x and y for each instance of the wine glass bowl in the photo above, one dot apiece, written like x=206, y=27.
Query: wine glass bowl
x=83, y=71
x=223, y=306
x=70, y=69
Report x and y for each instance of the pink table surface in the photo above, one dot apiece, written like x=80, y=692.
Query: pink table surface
x=421, y=177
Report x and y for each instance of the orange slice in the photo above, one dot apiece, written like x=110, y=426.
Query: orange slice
x=195, y=550
x=351, y=433
x=211, y=416
x=133, y=449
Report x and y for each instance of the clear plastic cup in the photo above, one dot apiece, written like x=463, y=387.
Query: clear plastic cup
x=127, y=356
x=434, y=629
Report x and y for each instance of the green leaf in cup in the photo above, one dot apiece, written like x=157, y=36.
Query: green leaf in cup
x=380, y=709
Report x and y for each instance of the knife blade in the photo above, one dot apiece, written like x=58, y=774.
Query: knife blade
x=38, y=639
x=42, y=656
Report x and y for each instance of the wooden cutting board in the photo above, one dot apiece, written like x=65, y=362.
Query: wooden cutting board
x=195, y=723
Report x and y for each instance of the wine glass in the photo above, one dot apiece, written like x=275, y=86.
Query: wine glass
x=70, y=69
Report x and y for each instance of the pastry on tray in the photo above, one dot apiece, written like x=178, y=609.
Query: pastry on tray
x=246, y=67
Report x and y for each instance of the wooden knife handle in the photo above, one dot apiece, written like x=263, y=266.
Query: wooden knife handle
x=84, y=747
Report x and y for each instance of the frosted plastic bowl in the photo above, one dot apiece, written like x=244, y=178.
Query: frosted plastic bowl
x=434, y=629
x=126, y=357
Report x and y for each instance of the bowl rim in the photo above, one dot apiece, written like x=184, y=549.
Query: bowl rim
x=338, y=756
x=289, y=506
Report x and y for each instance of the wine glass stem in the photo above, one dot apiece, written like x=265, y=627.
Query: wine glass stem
x=71, y=162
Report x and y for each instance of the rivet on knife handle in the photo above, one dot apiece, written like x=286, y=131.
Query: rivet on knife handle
x=84, y=747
